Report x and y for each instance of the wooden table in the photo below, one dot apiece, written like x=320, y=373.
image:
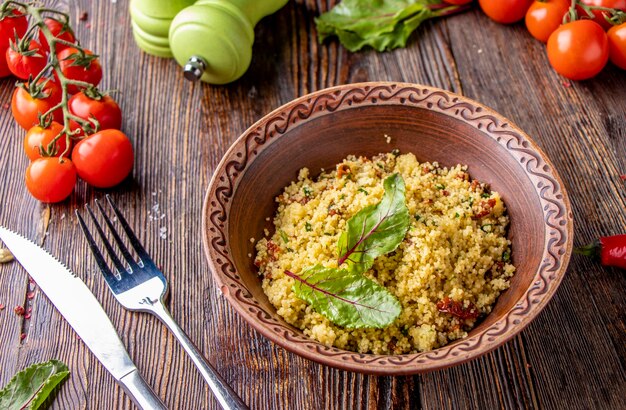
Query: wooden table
x=572, y=356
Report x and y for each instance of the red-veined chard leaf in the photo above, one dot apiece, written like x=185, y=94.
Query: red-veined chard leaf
x=348, y=299
x=380, y=24
x=29, y=388
x=377, y=229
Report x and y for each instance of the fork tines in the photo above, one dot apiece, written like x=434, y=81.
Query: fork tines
x=134, y=272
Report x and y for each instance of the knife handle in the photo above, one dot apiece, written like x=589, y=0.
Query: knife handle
x=140, y=393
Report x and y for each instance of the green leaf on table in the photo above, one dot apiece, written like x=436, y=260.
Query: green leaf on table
x=377, y=229
x=29, y=388
x=348, y=299
x=381, y=24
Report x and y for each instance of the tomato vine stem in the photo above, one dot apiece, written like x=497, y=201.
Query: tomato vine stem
x=36, y=13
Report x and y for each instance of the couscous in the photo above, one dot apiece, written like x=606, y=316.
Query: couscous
x=446, y=273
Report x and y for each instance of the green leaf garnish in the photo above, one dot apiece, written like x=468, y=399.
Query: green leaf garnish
x=307, y=227
x=380, y=24
x=375, y=230
x=29, y=388
x=283, y=236
x=346, y=298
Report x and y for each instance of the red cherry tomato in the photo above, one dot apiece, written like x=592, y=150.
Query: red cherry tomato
x=458, y=2
x=27, y=106
x=50, y=179
x=12, y=23
x=58, y=30
x=543, y=17
x=578, y=50
x=80, y=67
x=26, y=63
x=38, y=138
x=505, y=11
x=599, y=15
x=104, y=159
x=104, y=109
x=617, y=45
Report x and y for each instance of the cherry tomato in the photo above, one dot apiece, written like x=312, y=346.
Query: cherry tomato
x=50, y=179
x=39, y=137
x=26, y=63
x=79, y=67
x=58, y=30
x=458, y=2
x=14, y=22
x=617, y=45
x=599, y=15
x=27, y=106
x=505, y=11
x=103, y=108
x=578, y=50
x=104, y=159
x=543, y=17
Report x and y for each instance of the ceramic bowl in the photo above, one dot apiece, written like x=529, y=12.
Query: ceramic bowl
x=319, y=130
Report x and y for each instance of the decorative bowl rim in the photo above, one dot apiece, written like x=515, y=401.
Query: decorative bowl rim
x=557, y=215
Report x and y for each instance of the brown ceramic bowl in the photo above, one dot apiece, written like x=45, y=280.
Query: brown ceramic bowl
x=318, y=131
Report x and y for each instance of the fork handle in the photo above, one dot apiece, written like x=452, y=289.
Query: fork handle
x=225, y=395
x=140, y=392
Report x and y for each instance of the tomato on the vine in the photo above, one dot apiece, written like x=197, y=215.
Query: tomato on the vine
x=578, y=50
x=617, y=45
x=30, y=101
x=101, y=107
x=80, y=66
x=13, y=22
x=38, y=138
x=50, y=179
x=27, y=62
x=505, y=11
x=599, y=14
x=104, y=159
x=59, y=30
x=543, y=17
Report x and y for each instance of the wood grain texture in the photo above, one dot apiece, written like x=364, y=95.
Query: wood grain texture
x=572, y=356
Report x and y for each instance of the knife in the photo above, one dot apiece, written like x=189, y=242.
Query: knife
x=84, y=313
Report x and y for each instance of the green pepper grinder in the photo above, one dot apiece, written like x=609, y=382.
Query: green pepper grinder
x=213, y=39
x=151, y=20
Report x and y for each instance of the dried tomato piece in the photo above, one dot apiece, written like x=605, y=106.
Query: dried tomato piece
x=457, y=309
x=343, y=169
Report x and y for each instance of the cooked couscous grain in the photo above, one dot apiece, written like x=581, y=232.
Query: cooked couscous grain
x=447, y=273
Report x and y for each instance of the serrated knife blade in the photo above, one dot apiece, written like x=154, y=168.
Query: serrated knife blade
x=75, y=301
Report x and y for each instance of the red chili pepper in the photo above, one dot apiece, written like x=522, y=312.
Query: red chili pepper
x=610, y=249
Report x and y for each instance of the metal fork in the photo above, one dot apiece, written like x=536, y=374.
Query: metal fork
x=141, y=286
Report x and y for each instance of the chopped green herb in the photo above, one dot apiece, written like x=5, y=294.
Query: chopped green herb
x=289, y=250
x=328, y=234
x=395, y=152
x=283, y=236
x=362, y=190
x=417, y=217
x=380, y=165
x=307, y=191
x=456, y=215
x=486, y=228
x=506, y=256
x=307, y=227
x=471, y=202
x=485, y=195
x=440, y=187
